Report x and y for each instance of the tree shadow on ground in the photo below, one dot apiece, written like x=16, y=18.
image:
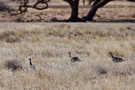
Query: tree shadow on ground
x=117, y=21
x=54, y=19
x=98, y=21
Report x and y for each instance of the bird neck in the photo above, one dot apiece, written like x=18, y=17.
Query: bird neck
x=111, y=55
x=69, y=54
x=30, y=62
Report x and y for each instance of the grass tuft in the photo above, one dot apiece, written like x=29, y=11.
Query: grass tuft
x=13, y=64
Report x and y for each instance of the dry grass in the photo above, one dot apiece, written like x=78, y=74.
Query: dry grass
x=48, y=46
x=13, y=64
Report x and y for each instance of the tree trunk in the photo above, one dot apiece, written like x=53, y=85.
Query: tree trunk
x=74, y=4
x=97, y=4
x=92, y=12
x=74, y=10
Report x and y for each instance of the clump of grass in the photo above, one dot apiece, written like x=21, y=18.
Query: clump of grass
x=13, y=64
x=9, y=37
x=4, y=7
x=5, y=34
x=101, y=70
x=47, y=54
x=12, y=39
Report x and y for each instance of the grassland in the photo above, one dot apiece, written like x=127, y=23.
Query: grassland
x=48, y=45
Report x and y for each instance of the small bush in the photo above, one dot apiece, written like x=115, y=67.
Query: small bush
x=4, y=7
x=9, y=37
x=13, y=64
x=101, y=70
x=12, y=39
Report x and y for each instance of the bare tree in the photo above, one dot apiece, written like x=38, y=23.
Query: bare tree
x=95, y=6
x=74, y=4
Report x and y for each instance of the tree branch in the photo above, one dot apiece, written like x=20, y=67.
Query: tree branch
x=23, y=8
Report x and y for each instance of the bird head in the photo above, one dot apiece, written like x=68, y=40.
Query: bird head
x=69, y=54
x=110, y=53
x=30, y=59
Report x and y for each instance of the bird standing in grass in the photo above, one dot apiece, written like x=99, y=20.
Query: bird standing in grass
x=31, y=65
x=73, y=59
x=116, y=59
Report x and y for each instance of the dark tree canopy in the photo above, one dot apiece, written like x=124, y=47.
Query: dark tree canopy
x=4, y=7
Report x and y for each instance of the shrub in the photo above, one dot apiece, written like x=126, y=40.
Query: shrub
x=13, y=64
x=4, y=7
x=101, y=70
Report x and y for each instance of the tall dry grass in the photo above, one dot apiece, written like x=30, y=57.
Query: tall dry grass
x=48, y=46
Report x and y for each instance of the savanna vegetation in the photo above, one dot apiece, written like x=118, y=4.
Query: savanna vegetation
x=48, y=48
x=36, y=37
x=74, y=4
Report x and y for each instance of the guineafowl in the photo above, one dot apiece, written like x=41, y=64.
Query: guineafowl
x=73, y=59
x=31, y=65
x=116, y=59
